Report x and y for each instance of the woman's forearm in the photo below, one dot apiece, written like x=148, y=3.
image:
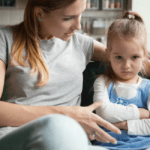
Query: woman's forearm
x=17, y=115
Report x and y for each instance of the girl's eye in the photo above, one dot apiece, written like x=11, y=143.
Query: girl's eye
x=134, y=57
x=118, y=57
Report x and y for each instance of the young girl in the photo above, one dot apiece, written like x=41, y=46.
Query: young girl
x=124, y=93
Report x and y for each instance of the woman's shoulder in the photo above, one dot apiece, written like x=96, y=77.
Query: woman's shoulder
x=6, y=32
x=81, y=37
x=6, y=29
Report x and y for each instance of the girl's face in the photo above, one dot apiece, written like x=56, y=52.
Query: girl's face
x=126, y=59
x=62, y=23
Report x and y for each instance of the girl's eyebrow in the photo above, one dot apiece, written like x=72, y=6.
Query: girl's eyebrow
x=115, y=53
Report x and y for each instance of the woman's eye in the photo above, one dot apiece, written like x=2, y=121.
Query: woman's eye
x=118, y=57
x=67, y=19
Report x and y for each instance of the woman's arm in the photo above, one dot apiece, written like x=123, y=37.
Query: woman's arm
x=110, y=111
x=17, y=115
x=99, y=52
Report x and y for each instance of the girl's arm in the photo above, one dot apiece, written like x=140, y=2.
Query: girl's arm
x=110, y=111
x=140, y=127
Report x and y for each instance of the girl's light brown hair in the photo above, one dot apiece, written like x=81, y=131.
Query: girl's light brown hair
x=25, y=36
x=130, y=25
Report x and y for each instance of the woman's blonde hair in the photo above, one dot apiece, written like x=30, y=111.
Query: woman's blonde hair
x=130, y=25
x=25, y=36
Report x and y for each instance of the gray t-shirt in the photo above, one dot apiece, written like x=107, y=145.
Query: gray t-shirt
x=66, y=60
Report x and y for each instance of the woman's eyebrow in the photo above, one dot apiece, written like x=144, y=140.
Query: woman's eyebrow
x=69, y=15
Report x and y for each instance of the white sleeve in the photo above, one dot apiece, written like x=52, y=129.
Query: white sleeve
x=141, y=126
x=110, y=111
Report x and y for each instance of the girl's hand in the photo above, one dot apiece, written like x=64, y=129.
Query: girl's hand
x=121, y=125
x=90, y=123
x=144, y=113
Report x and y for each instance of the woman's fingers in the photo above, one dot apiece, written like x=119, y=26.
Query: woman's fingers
x=90, y=123
x=102, y=136
x=95, y=105
x=90, y=137
x=108, y=125
x=102, y=139
x=101, y=121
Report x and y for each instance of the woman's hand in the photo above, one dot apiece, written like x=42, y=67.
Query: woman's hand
x=121, y=125
x=90, y=123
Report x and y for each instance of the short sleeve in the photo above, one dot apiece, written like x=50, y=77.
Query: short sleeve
x=3, y=49
x=86, y=43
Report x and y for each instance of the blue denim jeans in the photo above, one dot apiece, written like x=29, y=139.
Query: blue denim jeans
x=50, y=132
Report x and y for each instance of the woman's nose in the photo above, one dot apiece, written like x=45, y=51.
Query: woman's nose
x=77, y=25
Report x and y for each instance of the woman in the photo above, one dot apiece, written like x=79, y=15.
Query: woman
x=42, y=60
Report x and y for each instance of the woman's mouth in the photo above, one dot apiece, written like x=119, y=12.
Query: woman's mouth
x=69, y=34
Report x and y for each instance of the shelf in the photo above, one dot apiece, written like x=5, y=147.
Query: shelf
x=102, y=14
x=112, y=4
x=7, y=3
x=92, y=4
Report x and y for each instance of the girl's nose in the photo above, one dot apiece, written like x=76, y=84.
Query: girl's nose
x=126, y=64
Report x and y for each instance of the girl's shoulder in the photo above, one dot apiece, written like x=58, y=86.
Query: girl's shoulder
x=101, y=79
x=146, y=82
x=144, y=85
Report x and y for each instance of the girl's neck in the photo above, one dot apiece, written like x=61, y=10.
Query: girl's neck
x=129, y=81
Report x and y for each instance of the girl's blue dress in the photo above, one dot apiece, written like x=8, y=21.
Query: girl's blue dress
x=126, y=141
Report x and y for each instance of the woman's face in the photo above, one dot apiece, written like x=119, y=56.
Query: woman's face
x=62, y=23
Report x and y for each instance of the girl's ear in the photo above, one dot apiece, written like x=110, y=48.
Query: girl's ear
x=107, y=54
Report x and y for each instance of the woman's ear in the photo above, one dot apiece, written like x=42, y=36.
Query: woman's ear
x=38, y=12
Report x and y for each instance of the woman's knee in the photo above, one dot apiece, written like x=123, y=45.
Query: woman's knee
x=63, y=132
x=48, y=132
x=57, y=124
